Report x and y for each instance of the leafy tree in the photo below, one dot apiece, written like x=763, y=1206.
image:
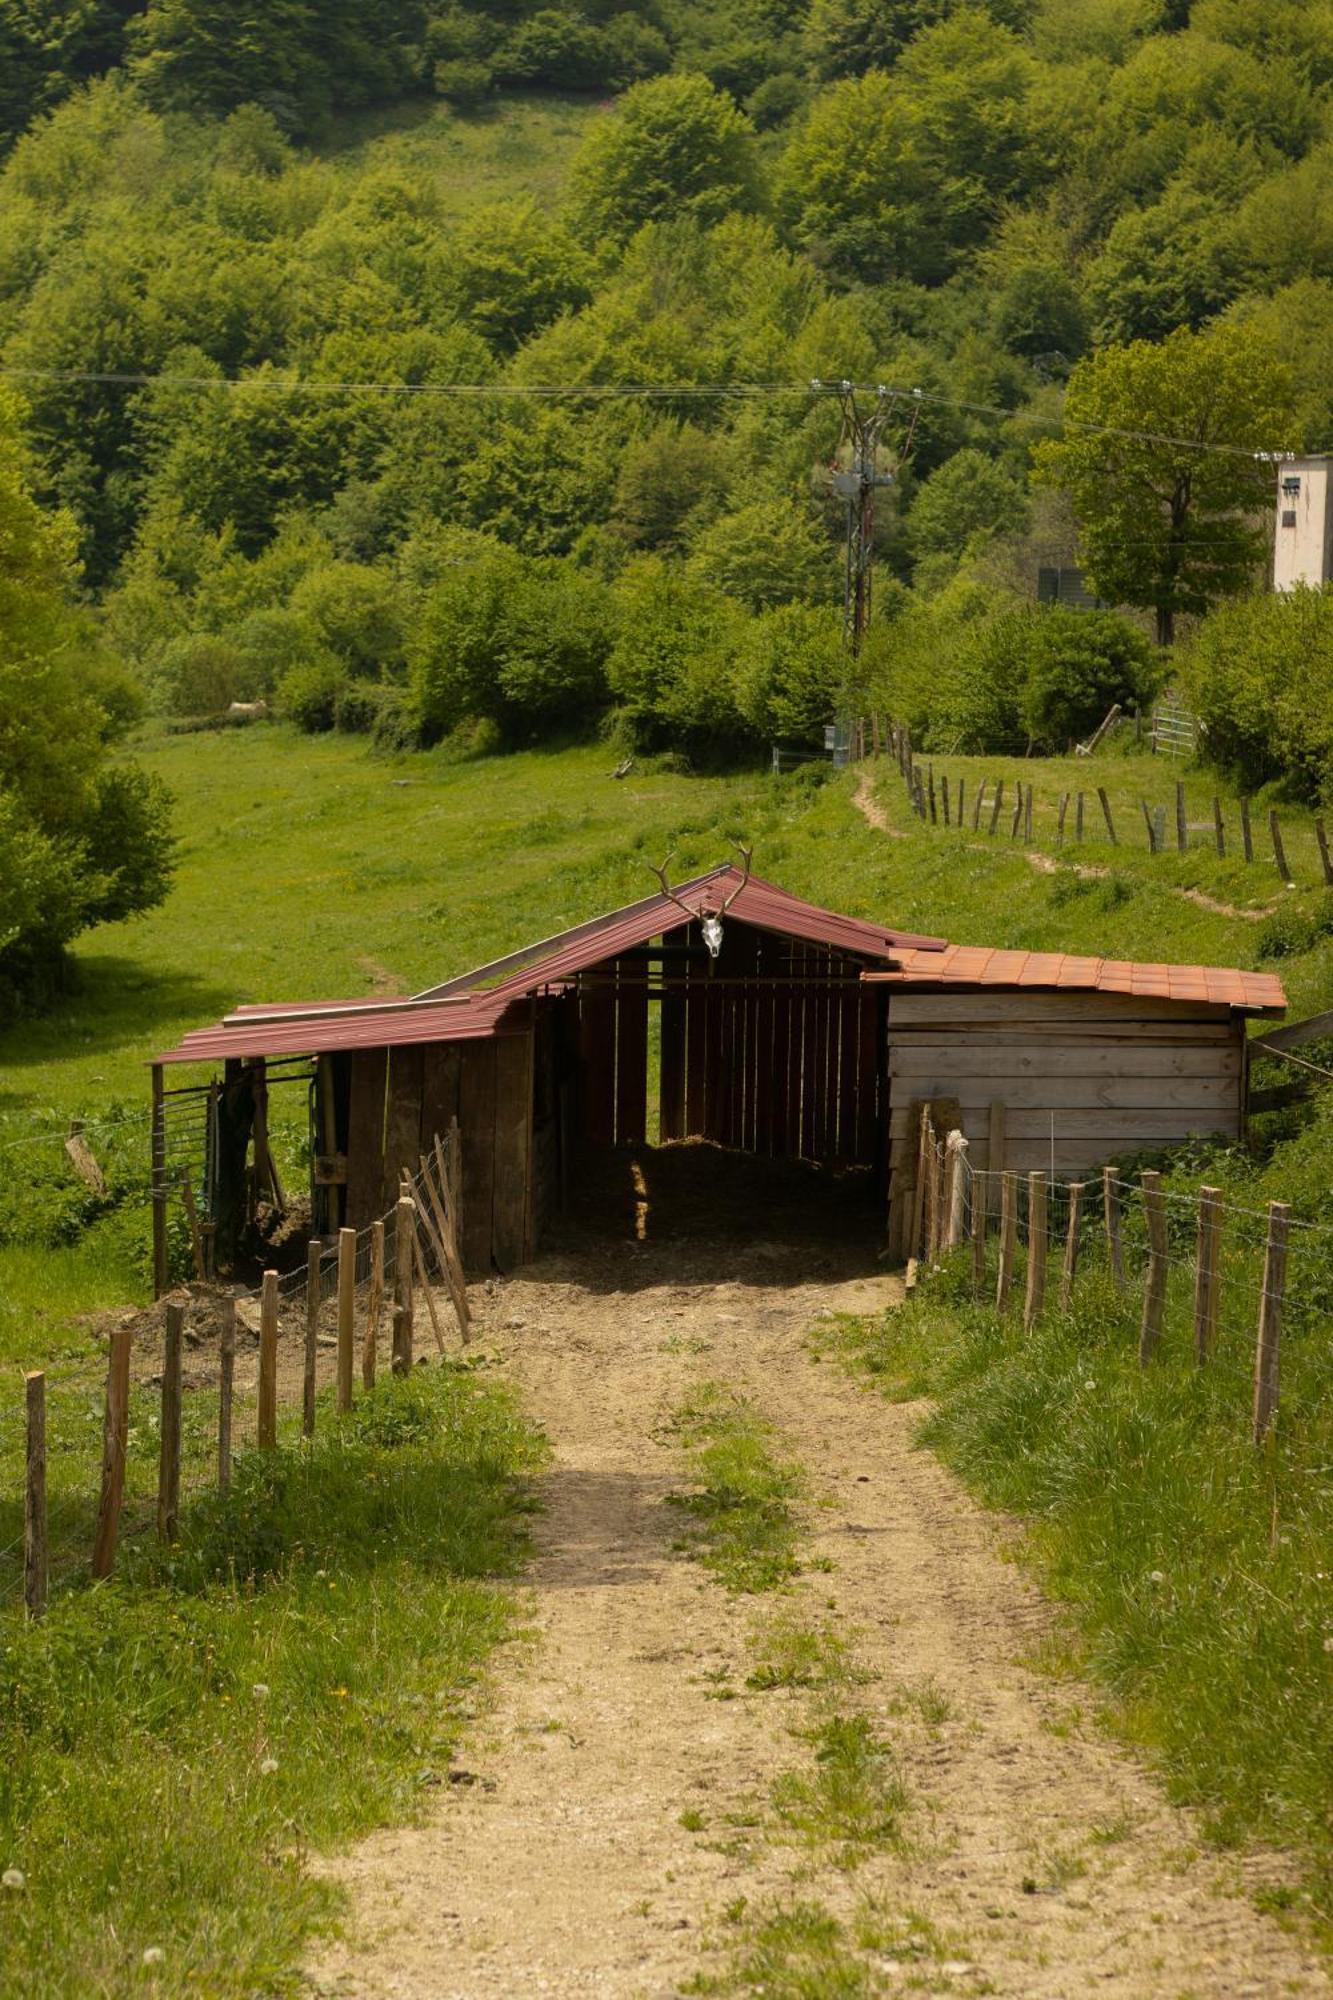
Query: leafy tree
x=855, y=187
x=667, y=476
x=968, y=498
x=1164, y=479
x=849, y=37
x=1163, y=267
x=674, y=147
x=509, y=270
x=352, y=610
x=82, y=839
x=1283, y=230
x=764, y=553
x=1257, y=674
x=1077, y=665
x=672, y=668
x=792, y=672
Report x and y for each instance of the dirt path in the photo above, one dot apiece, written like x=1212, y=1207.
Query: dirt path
x=556, y=1862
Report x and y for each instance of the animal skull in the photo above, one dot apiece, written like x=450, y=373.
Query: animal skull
x=711, y=924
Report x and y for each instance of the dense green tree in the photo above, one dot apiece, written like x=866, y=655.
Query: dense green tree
x=1159, y=458
x=674, y=147
x=508, y=270
x=668, y=476
x=765, y=552
x=1170, y=265
x=969, y=497
x=1258, y=674
x=849, y=37
x=1077, y=665
x=672, y=668
x=855, y=186
x=792, y=672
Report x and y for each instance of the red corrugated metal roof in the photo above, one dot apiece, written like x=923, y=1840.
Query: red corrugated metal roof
x=468, y=1008
x=969, y=965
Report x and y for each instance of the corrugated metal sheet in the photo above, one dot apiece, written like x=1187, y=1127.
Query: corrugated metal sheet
x=972, y=965
x=469, y=1007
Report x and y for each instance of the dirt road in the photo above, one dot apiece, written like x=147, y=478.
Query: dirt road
x=1047, y=1863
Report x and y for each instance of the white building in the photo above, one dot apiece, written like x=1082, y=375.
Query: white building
x=1303, y=550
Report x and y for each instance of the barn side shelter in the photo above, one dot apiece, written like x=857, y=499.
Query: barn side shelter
x=808, y=1036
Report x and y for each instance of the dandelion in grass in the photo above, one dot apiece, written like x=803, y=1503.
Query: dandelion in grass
x=269, y=1766
x=259, y=1691
x=13, y=1878
x=154, y=1955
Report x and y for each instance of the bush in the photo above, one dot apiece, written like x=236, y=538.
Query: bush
x=464, y=81
x=1257, y=674
x=1078, y=664
x=199, y=674
x=309, y=694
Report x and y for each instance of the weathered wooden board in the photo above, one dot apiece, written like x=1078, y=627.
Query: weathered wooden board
x=1191, y=1093
x=966, y=1005
x=513, y=1150
x=1119, y=1128
x=922, y=1056
x=1075, y=1156
x=402, y=1145
x=597, y=1064
x=365, y=1138
x=476, y=1122
x=671, y=1089
x=441, y=1070
x=631, y=1051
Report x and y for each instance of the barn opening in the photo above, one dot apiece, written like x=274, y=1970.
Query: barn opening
x=626, y=1077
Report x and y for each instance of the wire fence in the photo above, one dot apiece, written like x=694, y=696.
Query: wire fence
x=1238, y=1296
x=215, y=1372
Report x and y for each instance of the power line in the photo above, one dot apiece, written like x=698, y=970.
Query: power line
x=643, y=391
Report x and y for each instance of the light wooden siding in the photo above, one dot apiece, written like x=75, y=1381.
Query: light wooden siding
x=1115, y=1075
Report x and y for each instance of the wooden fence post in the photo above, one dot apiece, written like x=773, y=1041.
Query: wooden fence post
x=1008, y=1238
x=158, y=1158
x=1111, y=1212
x=976, y=810
x=955, y=1205
x=1279, y=852
x=226, y=1381
x=1106, y=815
x=1037, y=1235
x=314, y=1256
x=1078, y=819
x=930, y=785
x=995, y=808
x=944, y=797
x=268, y=1362
x=1182, y=829
x=1017, y=819
x=169, y=1450
x=1270, y=1320
x=1246, y=833
x=1207, y=1276
x=403, y=1227
x=934, y=1194
x=35, y=1544
x=1219, y=829
x=1322, y=837
x=374, y=1306
x=1154, y=1286
x=1147, y=821
x=994, y=1154
x=1060, y=822
x=960, y=805
x=916, y=1235
x=115, y=1437
x=1027, y=816
x=979, y=1183
x=196, y=1234
x=346, y=1314
x=1071, y=1245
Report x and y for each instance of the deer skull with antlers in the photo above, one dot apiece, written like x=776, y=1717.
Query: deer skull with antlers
x=708, y=918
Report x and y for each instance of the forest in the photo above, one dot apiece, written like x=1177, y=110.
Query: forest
x=303, y=406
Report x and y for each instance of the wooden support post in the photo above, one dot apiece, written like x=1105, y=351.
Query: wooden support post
x=403, y=1226
x=196, y=1236
x=1106, y=815
x=916, y=1235
x=944, y=797
x=1037, y=1237
x=930, y=782
x=328, y=1134
x=931, y=1166
x=1270, y=1320
x=1154, y=1284
x=1219, y=828
x=1008, y=1239
x=956, y=1154
x=115, y=1437
x=960, y=805
x=995, y=808
x=1182, y=829
x=1147, y=821
x=995, y=1124
x=158, y=1152
x=314, y=1258
x=1060, y=822
x=374, y=1306
x=1322, y=837
x=1078, y=819
x=1027, y=816
x=1017, y=819
x=1279, y=852
x=1072, y=1229
x=226, y=1384
x=346, y=1314
x=979, y=1197
x=1246, y=835
x=1115, y=1254
x=35, y=1539
x=169, y=1446
x=1207, y=1274
x=268, y=1362
x=976, y=810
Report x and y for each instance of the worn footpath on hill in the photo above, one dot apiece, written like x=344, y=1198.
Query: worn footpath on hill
x=555, y=1861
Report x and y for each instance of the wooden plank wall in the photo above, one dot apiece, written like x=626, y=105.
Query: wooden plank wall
x=1117, y=1075
x=400, y=1098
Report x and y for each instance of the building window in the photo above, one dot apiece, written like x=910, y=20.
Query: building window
x=1289, y=518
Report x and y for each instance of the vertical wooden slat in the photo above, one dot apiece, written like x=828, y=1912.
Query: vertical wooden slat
x=403, y=1228
x=1035, y=1296
x=995, y=1153
x=169, y=1440
x=374, y=1307
x=1111, y=1214
x=696, y=1035
x=1008, y=1239
x=672, y=1017
x=868, y=1080
x=761, y=1069
x=158, y=1160
x=441, y=1069
x=513, y=1147
x=35, y=1536
x=1072, y=1229
x=314, y=1254
x=268, y=1362
x=346, y=1314
x=848, y=1073
x=1154, y=1286
x=476, y=1124
x=1266, y=1358
x=226, y=1385
x=631, y=1051
x=365, y=1137
x=115, y=1437
x=1207, y=1274
x=780, y=1069
x=403, y=1141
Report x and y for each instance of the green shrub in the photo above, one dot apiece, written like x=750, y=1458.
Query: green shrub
x=464, y=81
x=1078, y=664
x=309, y=694
x=1258, y=674
x=1289, y=932
x=199, y=674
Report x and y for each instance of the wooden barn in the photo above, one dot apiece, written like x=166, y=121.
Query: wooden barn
x=724, y=1010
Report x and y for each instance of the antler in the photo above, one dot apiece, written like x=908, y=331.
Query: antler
x=747, y=855
x=667, y=890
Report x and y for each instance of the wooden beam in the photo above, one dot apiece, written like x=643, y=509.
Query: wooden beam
x=1294, y=1035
